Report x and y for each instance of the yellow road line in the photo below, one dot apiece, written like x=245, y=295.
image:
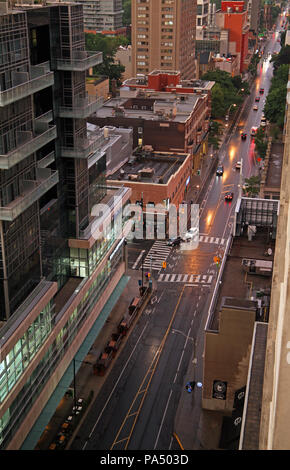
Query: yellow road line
x=151, y=369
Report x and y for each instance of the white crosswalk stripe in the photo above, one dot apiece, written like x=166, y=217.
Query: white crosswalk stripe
x=213, y=240
x=193, y=278
x=156, y=255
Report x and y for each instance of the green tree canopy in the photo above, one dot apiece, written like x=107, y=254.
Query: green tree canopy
x=252, y=186
x=225, y=91
x=127, y=12
x=282, y=58
x=108, y=46
x=276, y=99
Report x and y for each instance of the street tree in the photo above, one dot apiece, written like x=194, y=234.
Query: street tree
x=252, y=186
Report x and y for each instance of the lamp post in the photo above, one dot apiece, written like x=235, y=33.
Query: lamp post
x=228, y=112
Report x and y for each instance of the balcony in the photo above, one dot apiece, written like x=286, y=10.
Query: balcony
x=46, y=161
x=31, y=192
x=82, y=108
x=80, y=62
x=40, y=77
x=84, y=147
x=28, y=143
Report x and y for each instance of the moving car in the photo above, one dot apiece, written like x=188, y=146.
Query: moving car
x=261, y=91
x=219, y=170
x=192, y=232
x=174, y=241
x=255, y=108
x=243, y=135
x=238, y=165
x=229, y=196
x=257, y=98
x=254, y=131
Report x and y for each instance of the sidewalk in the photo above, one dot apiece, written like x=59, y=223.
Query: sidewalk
x=87, y=384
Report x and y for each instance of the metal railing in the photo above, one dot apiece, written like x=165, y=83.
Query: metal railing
x=33, y=190
x=83, y=147
x=82, y=108
x=47, y=160
x=80, y=62
x=29, y=143
x=41, y=77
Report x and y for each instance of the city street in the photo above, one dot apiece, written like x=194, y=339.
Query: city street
x=137, y=405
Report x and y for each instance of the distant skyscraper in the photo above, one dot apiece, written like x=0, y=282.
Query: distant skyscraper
x=201, y=17
x=163, y=36
x=103, y=15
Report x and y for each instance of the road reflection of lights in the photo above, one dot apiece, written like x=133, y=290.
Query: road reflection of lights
x=232, y=153
x=209, y=218
x=225, y=175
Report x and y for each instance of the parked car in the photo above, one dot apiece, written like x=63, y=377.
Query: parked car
x=219, y=170
x=174, y=241
x=257, y=98
x=261, y=91
x=229, y=196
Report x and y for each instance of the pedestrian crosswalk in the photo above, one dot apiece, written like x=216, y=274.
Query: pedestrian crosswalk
x=159, y=252
x=189, y=278
x=208, y=239
x=156, y=255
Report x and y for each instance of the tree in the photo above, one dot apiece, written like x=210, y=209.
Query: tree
x=224, y=92
x=214, y=134
x=109, y=47
x=261, y=142
x=276, y=100
x=253, y=64
x=218, y=108
x=127, y=12
x=282, y=58
x=252, y=186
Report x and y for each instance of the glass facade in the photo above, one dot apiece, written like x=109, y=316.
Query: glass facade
x=35, y=337
x=14, y=364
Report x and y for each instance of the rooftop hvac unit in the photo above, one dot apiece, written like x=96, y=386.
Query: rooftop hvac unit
x=146, y=172
x=134, y=177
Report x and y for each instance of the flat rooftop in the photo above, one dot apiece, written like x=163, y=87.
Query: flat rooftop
x=156, y=168
x=195, y=84
x=183, y=107
x=249, y=439
x=273, y=179
x=235, y=279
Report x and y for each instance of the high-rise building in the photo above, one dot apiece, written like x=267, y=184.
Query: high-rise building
x=233, y=17
x=163, y=36
x=202, y=17
x=103, y=16
x=275, y=413
x=56, y=274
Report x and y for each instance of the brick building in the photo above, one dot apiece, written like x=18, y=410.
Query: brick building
x=155, y=178
x=165, y=113
x=233, y=17
x=163, y=36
